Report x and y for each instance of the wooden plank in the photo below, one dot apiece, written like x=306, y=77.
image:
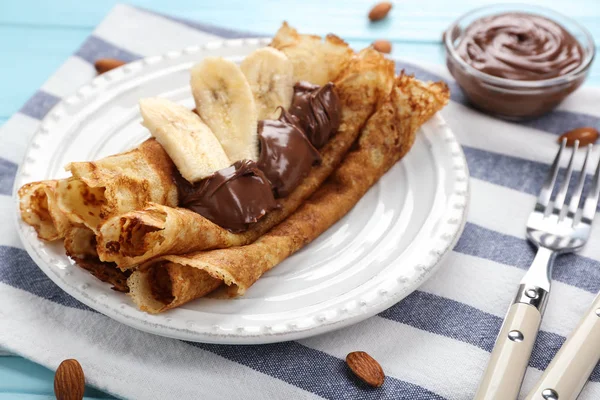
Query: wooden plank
x=41, y=50
x=408, y=21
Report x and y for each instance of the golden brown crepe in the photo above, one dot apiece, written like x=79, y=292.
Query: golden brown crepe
x=173, y=280
x=71, y=208
x=140, y=235
x=98, y=190
x=315, y=60
x=37, y=202
x=80, y=244
x=114, y=185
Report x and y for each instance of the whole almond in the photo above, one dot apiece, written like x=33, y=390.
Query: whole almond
x=382, y=46
x=69, y=381
x=586, y=135
x=366, y=368
x=380, y=11
x=106, y=64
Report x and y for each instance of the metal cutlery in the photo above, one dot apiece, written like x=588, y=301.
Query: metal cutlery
x=555, y=228
x=570, y=369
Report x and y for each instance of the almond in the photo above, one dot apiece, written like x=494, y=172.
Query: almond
x=586, y=135
x=69, y=381
x=106, y=64
x=380, y=11
x=366, y=368
x=382, y=46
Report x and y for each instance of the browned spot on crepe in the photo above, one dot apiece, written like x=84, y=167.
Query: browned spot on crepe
x=106, y=272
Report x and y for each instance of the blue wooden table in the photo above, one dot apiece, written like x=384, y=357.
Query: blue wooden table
x=36, y=36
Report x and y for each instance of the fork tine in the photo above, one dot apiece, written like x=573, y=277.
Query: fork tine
x=576, y=197
x=559, y=201
x=546, y=192
x=591, y=201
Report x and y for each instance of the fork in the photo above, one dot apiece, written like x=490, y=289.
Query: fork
x=554, y=228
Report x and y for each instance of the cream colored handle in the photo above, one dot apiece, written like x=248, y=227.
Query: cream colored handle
x=504, y=373
x=571, y=367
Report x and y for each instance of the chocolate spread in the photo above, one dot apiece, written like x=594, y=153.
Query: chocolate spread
x=239, y=195
x=233, y=197
x=286, y=154
x=317, y=109
x=520, y=46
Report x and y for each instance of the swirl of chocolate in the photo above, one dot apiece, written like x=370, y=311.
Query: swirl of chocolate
x=286, y=154
x=520, y=46
x=233, y=197
x=317, y=109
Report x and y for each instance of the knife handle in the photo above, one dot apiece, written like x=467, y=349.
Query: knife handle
x=571, y=367
x=504, y=373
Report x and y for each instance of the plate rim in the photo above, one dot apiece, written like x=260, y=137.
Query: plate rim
x=458, y=201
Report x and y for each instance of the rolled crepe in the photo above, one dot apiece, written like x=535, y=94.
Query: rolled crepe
x=39, y=208
x=117, y=184
x=173, y=280
x=315, y=60
x=138, y=236
x=80, y=243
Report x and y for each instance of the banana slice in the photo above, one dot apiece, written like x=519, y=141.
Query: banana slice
x=225, y=103
x=271, y=77
x=192, y=146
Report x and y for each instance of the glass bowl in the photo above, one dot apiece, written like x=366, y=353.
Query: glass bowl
x=509, y=98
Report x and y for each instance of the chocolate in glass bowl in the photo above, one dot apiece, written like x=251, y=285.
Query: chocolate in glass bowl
x=517, y=61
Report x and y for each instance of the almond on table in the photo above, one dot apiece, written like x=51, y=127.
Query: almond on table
x=586, y=135
x=103, y=65
x=382, y=46
x=69, y=381
x=366, y=368
x=380, y=11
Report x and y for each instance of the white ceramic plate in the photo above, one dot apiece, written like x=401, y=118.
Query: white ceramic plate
x=388, y=245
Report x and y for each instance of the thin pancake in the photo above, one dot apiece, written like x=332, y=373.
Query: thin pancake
x=117, y=184
x=80, y=243
x=386, y=138
x=138, y=236
x=315, y=60
x=37, y=202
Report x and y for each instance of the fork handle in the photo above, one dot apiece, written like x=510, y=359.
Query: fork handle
x=505, y=370
x=571, y=367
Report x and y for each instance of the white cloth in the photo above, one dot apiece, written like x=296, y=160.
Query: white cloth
x=432, y=345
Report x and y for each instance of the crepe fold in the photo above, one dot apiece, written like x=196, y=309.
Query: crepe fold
x=73, y=208
x=39, y=208
x=173, y=280
x=117, y=184
x=156, y=230
x=98, y=190
x=80, y=244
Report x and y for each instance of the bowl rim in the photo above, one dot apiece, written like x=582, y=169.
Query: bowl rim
x=588, y=48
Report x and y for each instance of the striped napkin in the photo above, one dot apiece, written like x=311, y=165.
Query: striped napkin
x=433, y=345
